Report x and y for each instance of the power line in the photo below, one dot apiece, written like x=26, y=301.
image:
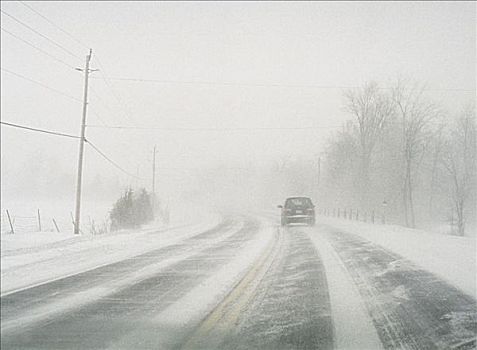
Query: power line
x=239, y=84
x=37, y=48
x=63, y=31
x=111, y=161
x=113, y=92
x=40, y=34
x=99, y=118
x=54, y=25
x=41, y=84
x=40, y=130
x=69, y=136
x=211, y=129
x=199, y=82
x=98, y=98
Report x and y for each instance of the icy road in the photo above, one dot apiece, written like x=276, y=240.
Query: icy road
x=242, y=283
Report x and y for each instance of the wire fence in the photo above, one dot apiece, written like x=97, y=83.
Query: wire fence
x=371, y=216
x=11, y=223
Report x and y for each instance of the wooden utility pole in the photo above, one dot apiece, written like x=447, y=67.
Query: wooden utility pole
x=86, y=71
x=153, y=180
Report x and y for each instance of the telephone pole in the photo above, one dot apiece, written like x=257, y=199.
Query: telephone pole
x=153, y=179
x=86, y=71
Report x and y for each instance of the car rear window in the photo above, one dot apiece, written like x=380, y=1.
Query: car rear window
x=298, y=202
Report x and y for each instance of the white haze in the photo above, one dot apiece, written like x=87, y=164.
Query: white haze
x=272, y=66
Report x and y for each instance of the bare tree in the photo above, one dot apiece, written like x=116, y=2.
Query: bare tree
x=370, y=108
x=415, y=115
x=437, y=149
x=339, y=174
x=459, y=161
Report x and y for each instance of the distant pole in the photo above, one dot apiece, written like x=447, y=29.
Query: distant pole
x=86, y=71
x=39, y=221
x=153, y=179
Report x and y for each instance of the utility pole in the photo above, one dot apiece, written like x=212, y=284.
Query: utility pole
x=153, y=180
x=86, y=71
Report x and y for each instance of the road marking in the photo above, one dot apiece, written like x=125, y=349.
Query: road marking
x=354, y=328
x=225, y=316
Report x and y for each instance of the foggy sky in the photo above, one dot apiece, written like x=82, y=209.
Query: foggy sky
x=299, y=48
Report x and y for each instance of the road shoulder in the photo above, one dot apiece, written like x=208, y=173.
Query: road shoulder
x=354, y=328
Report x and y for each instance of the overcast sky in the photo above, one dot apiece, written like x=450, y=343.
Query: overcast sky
x=219, y=65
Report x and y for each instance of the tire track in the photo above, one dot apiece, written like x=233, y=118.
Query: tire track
x=282, y=303
x=411, y=308
x=117, y=314
x=222, y=319
x=12, y=304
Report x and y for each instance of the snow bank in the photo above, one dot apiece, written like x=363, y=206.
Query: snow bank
x=35, y=258
x=452, y=258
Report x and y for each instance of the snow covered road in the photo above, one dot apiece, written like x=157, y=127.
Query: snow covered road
x=238, y=283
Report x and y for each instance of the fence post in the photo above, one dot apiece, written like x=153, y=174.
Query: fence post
x=10, y=221
x=39, y=221
x=57, y=229
x=357, y=215
x=372, y=216
x=72, y=218
x=344, y=214
x=350, y=214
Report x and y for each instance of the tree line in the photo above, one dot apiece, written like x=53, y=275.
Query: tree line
x=402, y=149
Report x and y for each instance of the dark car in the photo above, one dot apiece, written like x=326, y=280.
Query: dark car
x=297, y=210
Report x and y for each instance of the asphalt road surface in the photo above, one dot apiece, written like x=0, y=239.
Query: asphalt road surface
x=282, y=298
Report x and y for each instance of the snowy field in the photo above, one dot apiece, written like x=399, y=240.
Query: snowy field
x=24, y=215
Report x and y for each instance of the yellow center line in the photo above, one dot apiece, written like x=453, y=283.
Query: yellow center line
x=224, y=317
